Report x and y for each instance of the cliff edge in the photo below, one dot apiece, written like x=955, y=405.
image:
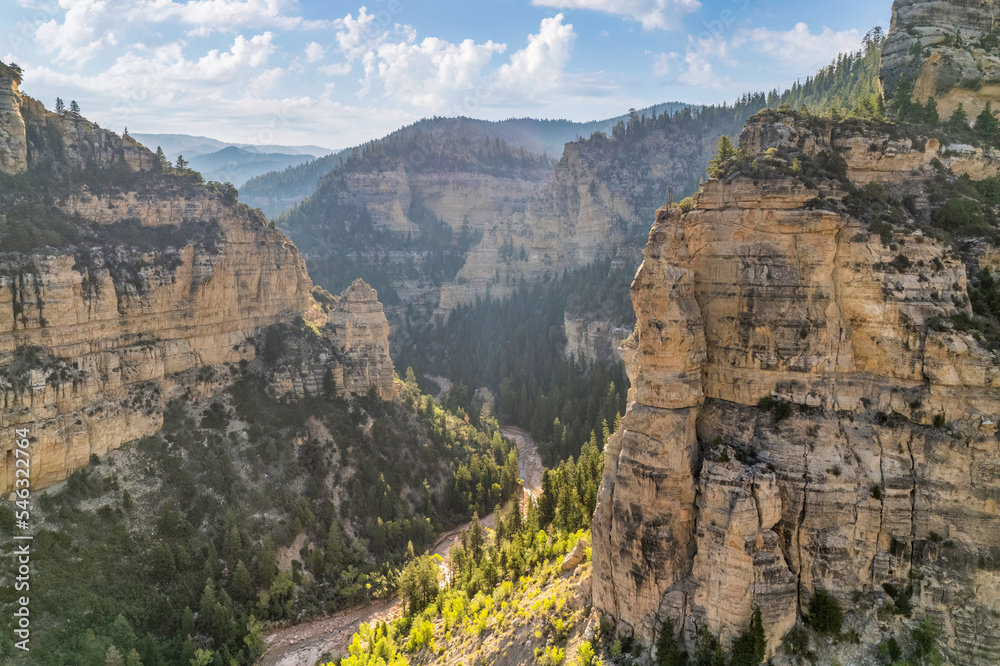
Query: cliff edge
x=125, y=283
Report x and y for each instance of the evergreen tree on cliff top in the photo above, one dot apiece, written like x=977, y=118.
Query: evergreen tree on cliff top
x=724, y=157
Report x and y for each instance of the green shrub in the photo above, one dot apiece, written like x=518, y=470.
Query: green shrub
x=796, y=642
x=924, y=649
x=889, y=652
x=749, y=649
x=960, y=214
x=782, y=410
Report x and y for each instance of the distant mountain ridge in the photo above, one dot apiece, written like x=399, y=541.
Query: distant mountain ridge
x=280, y=191
x=192, y=146
x=234, y=163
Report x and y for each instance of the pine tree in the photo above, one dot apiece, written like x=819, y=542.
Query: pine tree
x=705, y=649
x=74, y=108
x=749, y=649
x=113, y=657
x=476, y=539
x=987, y=126
x=931, y=112
x=182, y=164
x=667, y=651
x=959, y=121
x=162, y=158
x=724, y=156
x=60, y=106
x=242, y=585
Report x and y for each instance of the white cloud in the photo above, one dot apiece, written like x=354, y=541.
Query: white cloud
x=664, y=14
x=165, y=74
x=314, y=52
x=225, y=15
x=700, y=68
x=265, y=82
x=252, y=54
x=357, y=36
x=337, y=69
x=798, y=46
x=85, y=30
x=540, y=66
x=663, y=63
x=429, y=73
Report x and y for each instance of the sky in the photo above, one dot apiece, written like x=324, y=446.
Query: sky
x=336, y=74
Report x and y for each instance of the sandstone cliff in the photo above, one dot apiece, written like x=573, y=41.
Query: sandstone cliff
x=947, y=50
x=592, y=340
x=592, y=205
x=799, y=419
x=120, y=287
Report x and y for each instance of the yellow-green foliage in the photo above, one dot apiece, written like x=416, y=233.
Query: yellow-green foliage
x=585, y=655
x=372, y=647
x=551, y=656
x=421, y=636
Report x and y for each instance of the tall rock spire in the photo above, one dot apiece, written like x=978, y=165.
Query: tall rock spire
x=13, y=138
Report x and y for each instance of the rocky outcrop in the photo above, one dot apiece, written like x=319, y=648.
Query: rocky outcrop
x=947, y=50
x=145, y=295
x=361, y=332
x=125, y=332
x=592, y=340
x=797, y=421
x=874, y=152
x=13, y=137
x=348, y=356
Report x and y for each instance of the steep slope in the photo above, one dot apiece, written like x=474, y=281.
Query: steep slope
x=120, y=285
x=810, y=409
x=592, y=204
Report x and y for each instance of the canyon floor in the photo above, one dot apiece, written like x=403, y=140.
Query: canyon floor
x=305, y=644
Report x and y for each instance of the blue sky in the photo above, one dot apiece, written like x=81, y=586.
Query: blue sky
x=339, y=73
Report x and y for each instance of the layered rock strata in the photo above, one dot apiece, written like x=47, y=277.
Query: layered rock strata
x=97, y=335
x=592, y=340
x=877, y=460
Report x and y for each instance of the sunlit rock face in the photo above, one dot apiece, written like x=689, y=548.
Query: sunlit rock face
x=877, y=460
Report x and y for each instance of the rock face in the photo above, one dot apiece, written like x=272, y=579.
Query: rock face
x=350, y=357
x=711, y=505
x=592, y=340
x=96, y=337
x=947, y=49
x=13, y=138
x=593, y=203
